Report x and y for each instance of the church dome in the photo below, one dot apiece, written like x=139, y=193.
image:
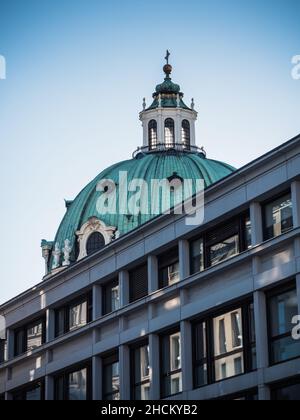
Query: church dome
x=165, y=171
x=163, y=165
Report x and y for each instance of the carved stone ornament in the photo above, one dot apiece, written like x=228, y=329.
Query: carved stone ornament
x=91, y=226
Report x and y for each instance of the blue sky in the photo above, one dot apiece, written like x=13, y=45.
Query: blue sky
x=76, y=75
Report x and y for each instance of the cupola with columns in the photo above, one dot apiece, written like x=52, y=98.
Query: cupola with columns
x=168, y=123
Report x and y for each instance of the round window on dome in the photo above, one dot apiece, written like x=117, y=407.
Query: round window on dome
x=95, y=242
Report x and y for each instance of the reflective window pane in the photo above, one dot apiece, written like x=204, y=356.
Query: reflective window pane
x=287, y=393
x=197, y=256
x=228, y=345
x=35, y=336
x=283, y=308
x=224, y=250
x=78, y=316
x=77, y=385
x=111, y=381
x=34, y=394
x=169, y=132
x=201, y=373
x=278, y=217
x=171, y=357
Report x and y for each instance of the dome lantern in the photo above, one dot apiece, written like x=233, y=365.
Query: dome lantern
x=168, y=123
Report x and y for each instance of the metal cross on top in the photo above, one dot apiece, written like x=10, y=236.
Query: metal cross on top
x=167, y=56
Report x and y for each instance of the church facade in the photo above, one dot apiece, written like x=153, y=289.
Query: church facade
x=142, y=305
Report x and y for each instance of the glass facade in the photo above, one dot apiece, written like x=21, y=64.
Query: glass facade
x=220, y=244
x=31, y=393
x=224, y=346
x=287, y=392
x=171, y=364
x=30, y=337
x=111, y=378
x=278, y=216
x=282, y=307
x=168, y=268
x=141, y=372
x=111, y=297
x=73, y=384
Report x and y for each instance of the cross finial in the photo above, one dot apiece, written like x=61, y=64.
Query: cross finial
x=167, y=56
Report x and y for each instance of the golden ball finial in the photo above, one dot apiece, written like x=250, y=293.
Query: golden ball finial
x=168, y=69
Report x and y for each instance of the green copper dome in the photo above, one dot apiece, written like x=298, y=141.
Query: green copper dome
x=159, y=165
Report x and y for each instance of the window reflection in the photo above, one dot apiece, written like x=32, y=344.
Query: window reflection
x=78, y=316
x=278, y=217
x=282, y=308
x=223, y=250
x=35, y=336
x=77, y=385
x=111, y=378
x=228, y=339
x=169, y=133
x=171, y=357
x=141, y=373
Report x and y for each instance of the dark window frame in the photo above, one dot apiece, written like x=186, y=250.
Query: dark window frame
x=186, y=134
x=288, y=287
x=134, y=384
x=168, y=374
x=170, y=140
x=20, y=393
x=65, y=311
x=91, y=248
x=107, y=289
x=24, y=339
x=64, y=376
x=214, y=236
x=210, y=359
x=133, y=295
x=152, y=139
x=264, y=205
x=165, y=260
x=109, y=360
x=282, y=385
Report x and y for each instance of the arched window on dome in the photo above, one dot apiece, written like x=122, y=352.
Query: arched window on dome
x=95, y=242
x=152, y=134
x=169, y=133
x=186, y=134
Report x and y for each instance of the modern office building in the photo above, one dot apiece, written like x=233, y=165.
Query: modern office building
x=145, y=306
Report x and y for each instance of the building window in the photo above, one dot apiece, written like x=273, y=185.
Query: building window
x=278, y=217
x=152, y=133
x=2, y=351
x=287, y=392
x=169, y=133
x=30, y=337
x=111, y=297
x=138, y=283
x=74, y=385
x=186, y=134
x=140, y=372
x=111, y=378
x=282, y=307
x=2, y=397
x=243, y=396
x=171, y=364
x=221, y=244
x=75, y=315
x=168, y=268
x=33, y=392
x=224, y=346
x=95, y=242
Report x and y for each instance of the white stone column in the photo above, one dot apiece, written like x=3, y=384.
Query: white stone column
x=124, y=288
x=10, y=343
x=49, y=388
x=50, y=325
x=124, y=360
x=152, y=274
x=160, y=128
x=256, y=223
x=184, y=258
x=97, y=378
x=186, y=356
x=295, y=190
x=154, y=356
x=97, y=302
